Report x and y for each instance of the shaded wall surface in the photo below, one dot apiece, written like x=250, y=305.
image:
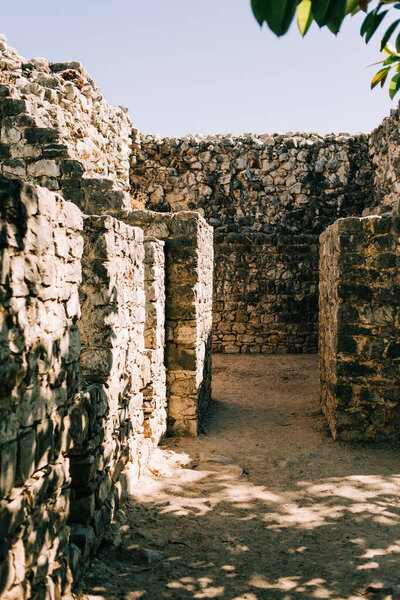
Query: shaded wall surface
x=268, y=199
x=359, y=328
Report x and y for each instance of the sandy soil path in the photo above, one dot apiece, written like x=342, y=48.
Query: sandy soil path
x=264, y=506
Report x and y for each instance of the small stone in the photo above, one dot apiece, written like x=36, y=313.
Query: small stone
x=216, y=458
x=140, y=556
x=137, y=595
x=44, y=167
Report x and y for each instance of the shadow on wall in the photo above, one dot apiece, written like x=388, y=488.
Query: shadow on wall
x=39, y=374
x=204, y=394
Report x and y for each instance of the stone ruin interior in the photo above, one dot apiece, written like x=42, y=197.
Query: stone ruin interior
x=126, y=259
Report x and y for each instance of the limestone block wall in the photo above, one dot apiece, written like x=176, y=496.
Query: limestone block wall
x=188, y=311
x=359, y=328
x=268, y=198
x=40, y=250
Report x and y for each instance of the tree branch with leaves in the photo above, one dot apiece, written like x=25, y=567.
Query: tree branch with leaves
x=279, y=15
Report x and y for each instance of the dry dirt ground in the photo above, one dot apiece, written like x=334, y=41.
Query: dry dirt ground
x=264, y=505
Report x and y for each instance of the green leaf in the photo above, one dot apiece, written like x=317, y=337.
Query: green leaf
x=304, y=16
x=257, y=7
x=379, y=77
x=329, y=12
x=336, y=16
x=398, y=43
x=366, y=23
x=383, y=80
x=394, y=86
x=389, y=49
x=278, y=14
x=391, y=60
x=320, y=10
x=389, y=33
x=352, y=7
x=374, y=25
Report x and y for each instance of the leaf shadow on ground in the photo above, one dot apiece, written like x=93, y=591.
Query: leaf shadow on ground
x=224, y=536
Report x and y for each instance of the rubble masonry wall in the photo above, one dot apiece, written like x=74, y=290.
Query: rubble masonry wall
x=188, y=311
x=268, y=198
x=41, y=247
x=359, y=350
x=87, y=387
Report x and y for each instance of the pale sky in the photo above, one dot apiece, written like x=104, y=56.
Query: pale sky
x=205, y=66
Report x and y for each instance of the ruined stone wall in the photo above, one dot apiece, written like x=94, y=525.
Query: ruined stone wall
x=114, y=368
x=268, y=199
x=385, y=156
x=53, y=111
x=58, y=132
x=188, y=311
x=73, y=415
x=155, y=393
x=359, y=328
x=40, y=250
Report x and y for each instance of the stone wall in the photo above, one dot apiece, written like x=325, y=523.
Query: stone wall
x=72, y=416
x=41, y=246
x=53, y=112
x=266, y=293
x=115, y=370
x=87, y=387
x=58, y=132
x=155, y=393
x=385, y=157
x=359, y=328
x=268, y=198
x=188, y=311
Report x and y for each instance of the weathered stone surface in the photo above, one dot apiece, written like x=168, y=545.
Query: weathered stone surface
x=64, y=441
x=268, y=198
x=56, y=111
x=359, y=310
x=188, y=308
x=154, y=390
x=384, y=152
x=40, y=374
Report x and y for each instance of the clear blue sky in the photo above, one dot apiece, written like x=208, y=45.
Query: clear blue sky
x=204, y=66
